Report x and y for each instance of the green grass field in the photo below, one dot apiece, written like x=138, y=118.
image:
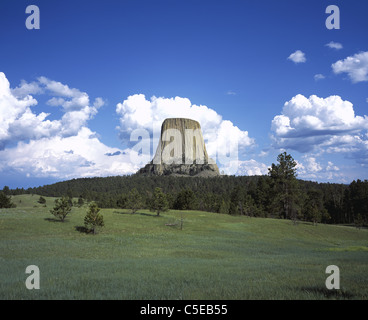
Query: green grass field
x=214, y=256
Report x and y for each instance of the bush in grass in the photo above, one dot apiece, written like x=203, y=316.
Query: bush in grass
x=93, y=221
x=61, y=209
x=41, y=200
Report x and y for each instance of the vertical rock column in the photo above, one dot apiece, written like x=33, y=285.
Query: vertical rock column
x=181, y=150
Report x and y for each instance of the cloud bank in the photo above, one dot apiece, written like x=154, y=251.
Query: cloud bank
x=310, y=168
x=321, y=125
x=81, y=155
x=60, y=148
x=18, y=122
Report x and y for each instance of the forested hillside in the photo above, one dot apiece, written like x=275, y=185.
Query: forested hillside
x=278, y=195
x=250, y=195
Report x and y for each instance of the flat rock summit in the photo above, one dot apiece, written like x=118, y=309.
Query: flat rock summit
x=181, y=151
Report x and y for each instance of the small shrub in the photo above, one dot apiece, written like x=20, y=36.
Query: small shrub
x=93, y=221
x=41, y=200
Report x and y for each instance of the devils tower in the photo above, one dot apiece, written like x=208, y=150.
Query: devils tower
x=181, y=151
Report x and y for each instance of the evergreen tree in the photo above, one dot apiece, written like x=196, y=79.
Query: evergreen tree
x=134, y=201
x=356, y=201
x=249, y=206
x=80, y=202
x=170, y=200
x=285, y=187
x=262, y=196
x=224, y=207
x=122, y=201
x=314, y=209
x=61, y=209
x=237, y=201
x=93, y=221
x=159, y=201
x=5, y=201
x=185, y=200
x=6, y=190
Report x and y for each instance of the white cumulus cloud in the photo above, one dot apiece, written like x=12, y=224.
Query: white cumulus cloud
x=334, y=45
x=298, y=57
x=25, y=88
x=306, y=124
x=318, y=76
x=18, y=122
x=311, y=168
x=81, y=155
x=61, y=148
x=355, y=66
x=252, y=168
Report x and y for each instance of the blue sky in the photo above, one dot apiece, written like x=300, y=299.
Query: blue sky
x=74, y=90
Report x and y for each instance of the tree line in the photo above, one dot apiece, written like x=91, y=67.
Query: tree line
x=279, y=194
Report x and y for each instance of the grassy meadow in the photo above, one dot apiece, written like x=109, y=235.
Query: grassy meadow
x=214, y=256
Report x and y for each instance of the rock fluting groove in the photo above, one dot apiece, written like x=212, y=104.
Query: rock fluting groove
x=181, y=151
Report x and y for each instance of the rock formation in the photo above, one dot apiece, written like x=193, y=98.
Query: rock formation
x=181, y=151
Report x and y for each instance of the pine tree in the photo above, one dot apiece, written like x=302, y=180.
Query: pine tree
x=185, y=200
x=93, y=221
x=262, y=195
x=314, y=209
x=6, y=190
x=237, y=201
x=61, y=209
x=224, y=207
x=285, y=186
x=134, y=201
x=159, y=201
x=5, y=201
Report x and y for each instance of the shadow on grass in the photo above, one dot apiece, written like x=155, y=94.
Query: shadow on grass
x=121, y=212
x=148, y=214
x=329, y=294
x=140, y=213
x=353, y=226
x=54, y=220
x=81, y=229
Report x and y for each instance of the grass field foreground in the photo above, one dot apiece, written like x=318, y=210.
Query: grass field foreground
x=139, y=256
